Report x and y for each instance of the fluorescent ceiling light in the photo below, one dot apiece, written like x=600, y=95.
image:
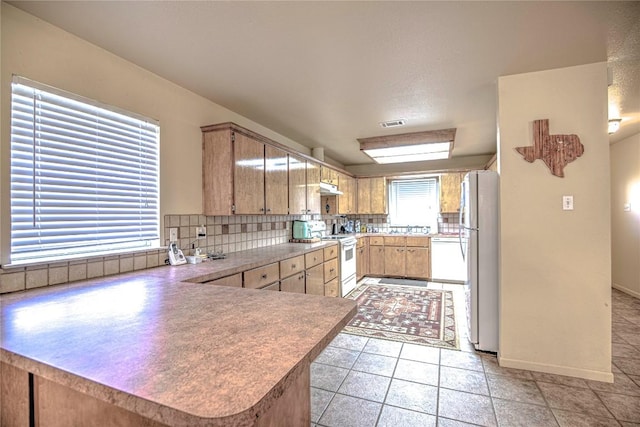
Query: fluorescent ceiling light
x=409, y=147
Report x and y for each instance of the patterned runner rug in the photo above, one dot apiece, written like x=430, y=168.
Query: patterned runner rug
x=408, y=314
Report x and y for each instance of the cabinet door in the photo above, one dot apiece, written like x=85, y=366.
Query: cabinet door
x=362, y=261
x=394, y=261
x=378, y=195
x=376, y=260
x=293, y=284
x=450, y=192
x=297, y=186
x=418, y=263
x=275, y=181
x=217, y=172
x=248, y=175
x=364, y=195
x=313, y=188
x=315, y=280
x=347, y=200
x=329, y=175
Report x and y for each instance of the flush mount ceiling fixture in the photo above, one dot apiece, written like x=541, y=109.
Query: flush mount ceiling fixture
x=409, y=147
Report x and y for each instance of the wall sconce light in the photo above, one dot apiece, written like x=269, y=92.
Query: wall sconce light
x=614, y=125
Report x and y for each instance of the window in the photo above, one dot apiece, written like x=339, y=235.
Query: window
x=414, y=202
x=84, y=176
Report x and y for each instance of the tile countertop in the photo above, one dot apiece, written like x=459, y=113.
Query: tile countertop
x=176, y=352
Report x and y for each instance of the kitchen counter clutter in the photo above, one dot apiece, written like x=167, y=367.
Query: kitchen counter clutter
x=153, y=348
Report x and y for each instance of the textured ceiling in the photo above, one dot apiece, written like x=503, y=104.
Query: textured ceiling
x=326, y=73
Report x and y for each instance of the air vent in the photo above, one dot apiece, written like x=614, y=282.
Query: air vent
x=393, y=123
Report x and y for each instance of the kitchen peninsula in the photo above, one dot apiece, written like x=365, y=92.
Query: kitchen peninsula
x=153, y=348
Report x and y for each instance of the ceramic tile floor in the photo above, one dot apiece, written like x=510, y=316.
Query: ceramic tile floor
x=360, y=381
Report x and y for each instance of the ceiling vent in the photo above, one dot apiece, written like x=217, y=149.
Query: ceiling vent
x=394, y=123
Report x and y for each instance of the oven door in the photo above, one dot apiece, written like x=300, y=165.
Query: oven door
x=347, y=259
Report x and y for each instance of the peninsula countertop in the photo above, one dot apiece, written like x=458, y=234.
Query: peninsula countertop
x=176, y=352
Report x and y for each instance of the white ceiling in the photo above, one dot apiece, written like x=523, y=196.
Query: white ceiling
x=326, y=73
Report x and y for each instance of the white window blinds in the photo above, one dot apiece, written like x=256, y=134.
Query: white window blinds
x=414, y=202
x=84, y=177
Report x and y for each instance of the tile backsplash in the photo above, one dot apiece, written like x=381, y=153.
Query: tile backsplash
x=448, y=223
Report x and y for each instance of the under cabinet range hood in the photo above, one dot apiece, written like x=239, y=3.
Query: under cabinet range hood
x=329, y=189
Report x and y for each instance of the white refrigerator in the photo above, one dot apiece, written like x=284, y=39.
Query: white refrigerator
x=479, y=208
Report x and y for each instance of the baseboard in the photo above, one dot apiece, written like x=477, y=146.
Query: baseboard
x=626, y=290
x=555, y=369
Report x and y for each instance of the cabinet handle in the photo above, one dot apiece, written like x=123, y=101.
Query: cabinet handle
x=301, y=277
x=261, y=209
x=315, y=259
x=268, y=210
x=293, y=266
x=264, y=276
x=331, y=270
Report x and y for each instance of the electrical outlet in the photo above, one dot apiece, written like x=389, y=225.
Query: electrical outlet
x=201, y=232
x=173, y=234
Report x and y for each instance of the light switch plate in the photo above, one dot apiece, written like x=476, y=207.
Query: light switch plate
x=201, y=232
x=173, y=234
x=567, y=203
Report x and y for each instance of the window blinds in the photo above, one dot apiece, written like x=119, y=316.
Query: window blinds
x=414, y=202
x=84, y=178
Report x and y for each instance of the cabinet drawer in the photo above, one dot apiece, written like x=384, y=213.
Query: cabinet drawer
x=394, y=240
x=291, y=266
x=376, y=241
x=233, y=281
x=313, y=258
x=330, y=270
x=362, y=241
x=418, y=241
x=293, y=284
x=274, y=287
x=262, y=276
x=330, y=252
x=331, y=288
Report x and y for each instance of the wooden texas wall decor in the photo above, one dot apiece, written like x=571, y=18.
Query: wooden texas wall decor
x=555, y=150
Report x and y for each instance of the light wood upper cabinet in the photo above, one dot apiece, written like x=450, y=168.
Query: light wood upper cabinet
x=297, y=185
x=346, y=201
x=276, y=181
x=328, y=175
x=364, y=195
x=372, y=195
x=217, y=172
x=450, y=191
x=304, y=186
x=242, y=175
x=313, y=187
x=248, y=174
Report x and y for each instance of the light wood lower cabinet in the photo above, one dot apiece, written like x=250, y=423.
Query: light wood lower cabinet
x=395, y=263
x=397, y=256
x=262, y=276
x=315, y=280
x=376, y=260
x=295, y=283
x=234, y=281
x=417, y=261
x=332, y=288
x=362, y=257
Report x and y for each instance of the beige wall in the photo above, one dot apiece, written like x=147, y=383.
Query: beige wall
x=34, y=49
x=625, y=225
x=555, y=265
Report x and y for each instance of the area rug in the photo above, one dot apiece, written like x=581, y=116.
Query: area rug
x=404, y=313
